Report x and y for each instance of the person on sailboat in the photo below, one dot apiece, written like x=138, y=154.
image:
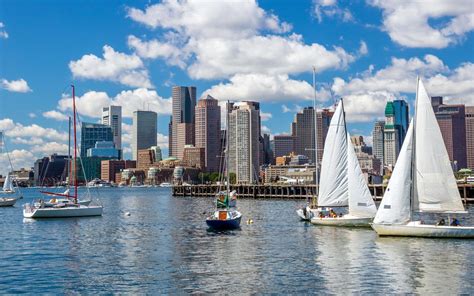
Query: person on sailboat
x=455, y=222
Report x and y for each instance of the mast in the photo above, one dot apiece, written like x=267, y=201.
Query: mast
x=75, y=143
x=315, y=132
x=413, y=155
x=227, y=149
x=69, y=165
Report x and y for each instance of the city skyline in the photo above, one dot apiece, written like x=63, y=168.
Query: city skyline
x=132, y=60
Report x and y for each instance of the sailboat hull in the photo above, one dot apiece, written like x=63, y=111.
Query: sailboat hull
x=344, y=221
x=416, y=229
x=7, y=202
x=66, y=212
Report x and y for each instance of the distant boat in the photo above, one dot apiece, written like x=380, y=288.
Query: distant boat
x=8, y=188
x=71, y=207
x=342, y=181
x=422, y=181
x=226, y=216
x=166, y=184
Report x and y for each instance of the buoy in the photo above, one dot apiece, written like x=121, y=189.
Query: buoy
x=127, y=214
x=249, y=221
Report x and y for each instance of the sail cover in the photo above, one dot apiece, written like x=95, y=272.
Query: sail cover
x=333, y=184
x=435, y=185
x=395, y=205
x=361, y=203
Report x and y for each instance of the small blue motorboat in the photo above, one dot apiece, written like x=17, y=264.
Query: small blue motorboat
x=224, y=219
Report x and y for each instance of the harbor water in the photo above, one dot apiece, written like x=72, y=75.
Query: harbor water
x=164, y=247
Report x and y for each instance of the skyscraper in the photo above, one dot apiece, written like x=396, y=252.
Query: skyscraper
x=112, y=116
x=144, y=131
x=208, y=127
x=470, y=136
x=378, y=139
x=401, y=119
x=304, y=134
x=284, y=145
x=184, y=102
x=91, y=133
x=244, y=134
x=452, y=123
x=391, y=136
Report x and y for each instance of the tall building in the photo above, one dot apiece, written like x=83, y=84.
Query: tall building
x=110, y=168
x=391, y=137
x=470, y=136
x=112, y=116
x=452, y=123
x=284, y=145
x=104, y=149
x=401, y=119
x=208, y=127
x=91, y=133
x=49, y=171
x=303, y=132
x=244, y=135
x=144, y=131
x=184, y=102
x=266, y=156
x=378, y=139
x=194, y=157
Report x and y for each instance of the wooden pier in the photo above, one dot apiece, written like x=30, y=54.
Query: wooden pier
x=290, y=191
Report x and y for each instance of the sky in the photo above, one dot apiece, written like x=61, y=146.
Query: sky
x=131, y=53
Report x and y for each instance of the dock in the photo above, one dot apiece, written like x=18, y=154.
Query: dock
x=284, y=191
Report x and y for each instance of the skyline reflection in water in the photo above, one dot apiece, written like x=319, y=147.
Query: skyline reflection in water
x=164, y=246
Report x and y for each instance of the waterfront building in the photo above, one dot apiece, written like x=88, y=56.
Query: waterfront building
x=91, y=133
x=89, y=168
x=369, y=164
x=145, y=159
x=470, y=137
x=208, y=128
x=144, y=131
x=157, y=151
x=284, y=145
x=378, y=140
x=400, y=108
x=266, y=152
x=300, y=174
x=112, y=116
x=111, y=168
x=184, y=103
x=391, y=137
x=194, y=157
x=452, y=123
x=304, y=133
x=49, y=171
x=104, y=149
x=244, y=134
x=299, y=160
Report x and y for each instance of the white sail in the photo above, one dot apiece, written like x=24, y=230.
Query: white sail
x=8, y=184
x=361, y=203
x=333, y=185
x=395, y=205
x=435, y=185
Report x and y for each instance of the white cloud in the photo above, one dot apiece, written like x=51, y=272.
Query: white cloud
x=330, y=9
x=260, y=87
x=366, y=95
x=265, y=116
x=265, y=130
x=114, y=66
x=295, y=109
x=31, y=115
x=50, y=148
x=56, y=115
x=246, y=41
x=12, y=129
x=20, y=158
x=90, y=104
x=162, y=141
x=3, y=32
x=363, y=49
x=410, y=23
x=19, y=85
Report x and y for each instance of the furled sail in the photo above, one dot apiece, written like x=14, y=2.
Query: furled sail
x=361, y=203
x=395, y=205
x=333, y=183
x=435, y=185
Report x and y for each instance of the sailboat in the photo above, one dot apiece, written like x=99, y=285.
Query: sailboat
x=66, y=209
x=342, y=182
x=422, y=181
x=8, y=186
x=226, y=216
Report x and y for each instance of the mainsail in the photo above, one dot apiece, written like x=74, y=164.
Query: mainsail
x=435, y=185
x=395, y=205
x=8, y=184
x=334, y=183
x=361, y=203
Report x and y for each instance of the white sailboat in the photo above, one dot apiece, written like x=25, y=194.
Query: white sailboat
x=6, y=195
x=422, y=181
x=70, y=207
x=342, y=182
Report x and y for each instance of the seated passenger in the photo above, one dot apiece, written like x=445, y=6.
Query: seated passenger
x=441, y=222
x=455, y=222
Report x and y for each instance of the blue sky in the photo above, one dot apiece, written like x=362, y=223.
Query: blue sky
x=131, y=53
